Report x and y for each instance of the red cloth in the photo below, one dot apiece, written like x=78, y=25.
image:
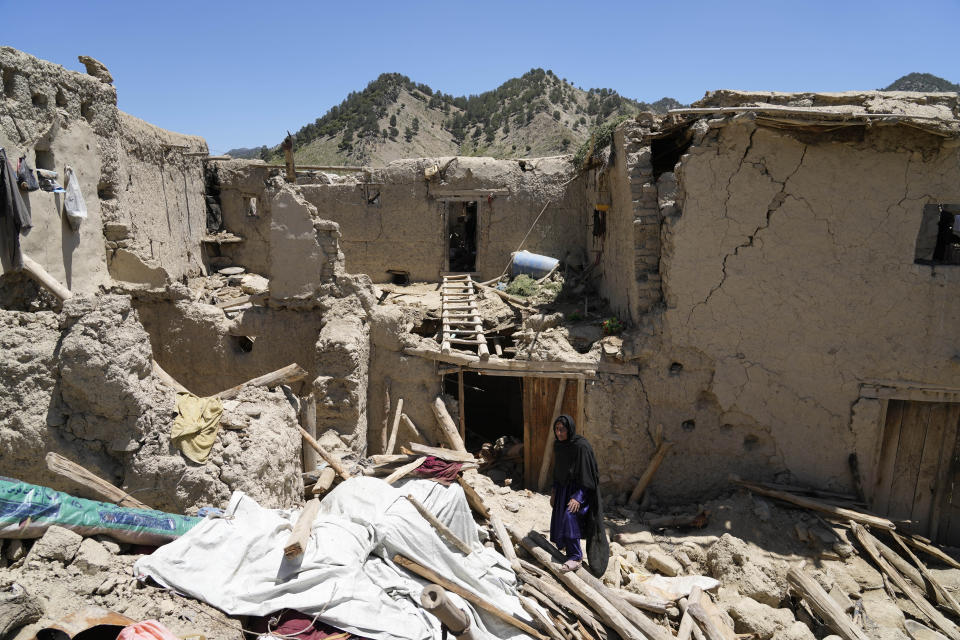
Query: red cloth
x=294, y=623
x=440, y=470
x=146, y=630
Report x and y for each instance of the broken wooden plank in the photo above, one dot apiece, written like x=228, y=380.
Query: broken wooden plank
x=545, y=623
x=547, y=460
x=473, y=361
x=929, y=549
x=109, y=492
x=324, y=482
x=392, y=442
x=287, y=375
x=823, y=605
x=473, y=498
x=816, y=505
x=467, y=595
x=416, y=430
x=439, y=527
x=308, y=419
x=440, y=452
x=326, y=455
x=43, y=278
x=447, y=427
x=506, y=545
x=655, y=461
x=939, y=591
x=297, y=542
x=404, y=470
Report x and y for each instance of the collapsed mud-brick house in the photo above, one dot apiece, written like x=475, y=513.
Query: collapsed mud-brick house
x=783, y=265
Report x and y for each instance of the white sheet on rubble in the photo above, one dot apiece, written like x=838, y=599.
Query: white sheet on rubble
x=346, y=574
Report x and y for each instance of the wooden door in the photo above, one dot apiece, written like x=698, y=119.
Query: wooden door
x=918, y=478
x=539, y=400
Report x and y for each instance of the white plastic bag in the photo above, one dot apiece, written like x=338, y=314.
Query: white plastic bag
x=73, y=203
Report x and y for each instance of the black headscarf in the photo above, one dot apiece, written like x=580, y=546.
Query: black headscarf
x=575, y=463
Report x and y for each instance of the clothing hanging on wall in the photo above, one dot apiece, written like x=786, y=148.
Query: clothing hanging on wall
x=15, y=218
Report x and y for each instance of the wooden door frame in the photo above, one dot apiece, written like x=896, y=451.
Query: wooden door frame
x=533, y=459
x=445, y=231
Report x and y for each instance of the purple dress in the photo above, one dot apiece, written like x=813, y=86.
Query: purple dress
x=566, y=528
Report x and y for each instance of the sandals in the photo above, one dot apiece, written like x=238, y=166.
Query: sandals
x=570, y=565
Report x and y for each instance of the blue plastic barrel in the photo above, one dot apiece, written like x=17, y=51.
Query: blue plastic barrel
x=532, y=264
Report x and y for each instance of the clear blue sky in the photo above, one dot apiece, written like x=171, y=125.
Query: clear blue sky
x=241, y=73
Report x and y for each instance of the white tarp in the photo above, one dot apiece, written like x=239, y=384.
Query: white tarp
x=235, y=562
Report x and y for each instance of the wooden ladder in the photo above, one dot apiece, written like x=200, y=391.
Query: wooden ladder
x=460, y=315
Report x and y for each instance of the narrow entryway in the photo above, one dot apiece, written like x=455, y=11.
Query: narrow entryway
x=462, y=236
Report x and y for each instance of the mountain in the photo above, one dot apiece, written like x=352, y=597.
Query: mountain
x=922, y=82
x=537, y=114
x=248, y=153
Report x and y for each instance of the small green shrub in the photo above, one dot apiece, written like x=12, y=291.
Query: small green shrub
x=522, y=285
x=611, y=327
x=576, y=316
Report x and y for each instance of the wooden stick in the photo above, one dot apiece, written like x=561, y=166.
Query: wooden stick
x=686, y=626
x=404, y=470
x=563, y=598
x=440, y=452
x=938, y=588
x=297, y=542
x=73, y=471
x=932, y=550
x=462, y=408
x=695, y=629
x=702, y=600
x=447, y=428
x=396, y=427
x=539, y=616
x=416, y=430
x=505, y=543
x=928, y=610
x=469, y=596
x=440, y=528
x=815, y=505
x=823, y=605
x=547, y=459
x=40, y=275
x=385, y=429
x=308, y=416
x=326, y=455
x=647, y=476
x=290, y=373
x=167, y=379
x=324, y=482
x=473, y=498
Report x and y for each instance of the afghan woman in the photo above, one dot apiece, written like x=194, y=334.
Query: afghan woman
x=577, y=508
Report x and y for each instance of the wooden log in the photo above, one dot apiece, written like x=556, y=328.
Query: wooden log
x=443, y=453
x=326, y=455
x=931, y=550
x=575, y=583
x=547, y=459
x=439, y=527
x=289, y=374
x=404, y=470
x=473, y=498
x=416, y=430
x=686, y=626
x=904, y=567
x=939, y=592
x=297, y=542
x=695, y=629
x=654, y=605
x=18, y=608
x=545, y=623
x=506, y=545
x=167, y=379
x=73, y=471
x=447, y=428
x=324, y=482
x=44, y=279
x=382, y=459
x=472, y=361
x=823, y=605
x=562, y=598
x=434, y=599
x=867, y=542
x=462, y=405
x=647, y=476
x=815, y=505
x=392, y=442
x=702, y=600
x=308, y=419
x=710, y=628
x=467, y=595
x=385, y=428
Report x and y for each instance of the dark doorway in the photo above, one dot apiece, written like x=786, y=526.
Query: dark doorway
x=462, y=236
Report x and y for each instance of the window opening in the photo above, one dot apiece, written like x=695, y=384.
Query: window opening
x=462, y=236
x=938, y=241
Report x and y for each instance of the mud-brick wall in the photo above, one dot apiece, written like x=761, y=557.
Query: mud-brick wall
x=393, y=219
x=790, y=276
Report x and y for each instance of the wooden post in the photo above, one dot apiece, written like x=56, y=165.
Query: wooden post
x=416, y=430
x=297, y=542
x=581, y=405
x=473, y=498
x=47, y=281
x=449, y=430
x=647, y=476
x=324, y=482
x=326, y=455
x=385, y=429
x=439, y=527
x=462, y=407
x=548, y=445
x=469, y=596
x=290, y=373
x=308, y=416
x=73, y=471
x=434, y=599
x=392, y=442
x=505, y=544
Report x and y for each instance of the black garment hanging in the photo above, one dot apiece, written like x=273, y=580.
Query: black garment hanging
x=14, y=216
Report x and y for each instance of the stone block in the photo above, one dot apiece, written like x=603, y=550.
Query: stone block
x=660, y=562
x=92, y=557
x=116, y=231
x=57, y=544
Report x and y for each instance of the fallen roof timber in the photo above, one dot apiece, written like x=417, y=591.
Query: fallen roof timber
x=474, y=362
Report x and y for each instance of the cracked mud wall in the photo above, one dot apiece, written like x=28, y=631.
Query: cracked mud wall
x=790, y=269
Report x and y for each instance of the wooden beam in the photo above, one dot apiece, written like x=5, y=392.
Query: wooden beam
x=547, y=459
x=404, y=470
x=450, y=455
x=47, y=281
x=462, y=407
x=308, y=419
x=324, y=482
x=506, y=546
x=815, y=505
x=467, y=595
x=297, y=542
x=109, y=492
x=647, y=476
x=416, y=430
x=472, y=361
x=392, y=442
x=439, y=527
x=473, y=498
x=536, y=374
x=385, y=427
x=326, y=455
x=447, y=428
x=167, y=379
x=434, y=600
x=289, y=374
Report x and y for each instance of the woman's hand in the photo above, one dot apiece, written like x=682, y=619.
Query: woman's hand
x=573, y=506
x=552, y=498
